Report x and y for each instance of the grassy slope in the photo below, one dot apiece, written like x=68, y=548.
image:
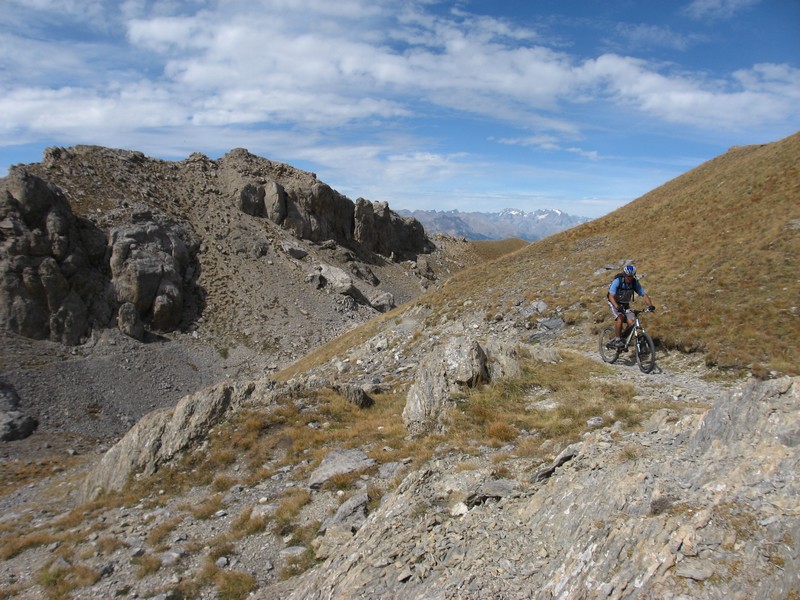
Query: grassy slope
x=718, y=248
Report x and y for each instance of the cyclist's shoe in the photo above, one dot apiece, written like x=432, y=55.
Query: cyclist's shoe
x=619, y=345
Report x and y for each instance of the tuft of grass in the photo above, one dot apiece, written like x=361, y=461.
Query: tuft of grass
x=15, y=545
x=297, y=565
x=207, y=508
x=109, y=544
x=289, y=508
x=501, y=431
x=245, y=524
x=146, y=565
x=343, y=481
x=234, y=585
x=222, y=483
x=157, y=534
x=60, y=582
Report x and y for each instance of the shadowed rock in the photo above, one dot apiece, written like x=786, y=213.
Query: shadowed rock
x=14, y=425
x=53, y=284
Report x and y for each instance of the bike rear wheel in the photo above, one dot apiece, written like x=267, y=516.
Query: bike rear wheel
x=608, y=354
x=645, y=352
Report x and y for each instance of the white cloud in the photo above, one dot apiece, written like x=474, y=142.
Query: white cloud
x=356, y=87
x=761, y=97
x=322, y=64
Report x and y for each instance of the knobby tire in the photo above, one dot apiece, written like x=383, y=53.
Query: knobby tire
x=608, y=355
x=645, y=353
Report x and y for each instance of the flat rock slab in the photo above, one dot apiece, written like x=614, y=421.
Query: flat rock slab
x=339, y=462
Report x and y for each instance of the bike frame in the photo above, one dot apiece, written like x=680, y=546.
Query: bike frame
x=633, y=330
x=634, y=334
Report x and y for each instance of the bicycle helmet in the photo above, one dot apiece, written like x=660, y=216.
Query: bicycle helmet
x=629, y=270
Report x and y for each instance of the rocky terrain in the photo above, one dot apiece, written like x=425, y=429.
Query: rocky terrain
x=698, y=502
x=467, y=444
x=130, y=281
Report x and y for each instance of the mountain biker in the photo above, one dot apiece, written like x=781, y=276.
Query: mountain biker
x=621, y=293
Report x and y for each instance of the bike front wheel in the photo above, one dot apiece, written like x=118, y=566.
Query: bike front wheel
x=608, y=351
x=645, y=352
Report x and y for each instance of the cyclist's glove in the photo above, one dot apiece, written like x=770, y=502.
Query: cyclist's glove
x=651, y=308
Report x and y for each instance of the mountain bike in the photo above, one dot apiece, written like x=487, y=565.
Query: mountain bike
x=634, y=336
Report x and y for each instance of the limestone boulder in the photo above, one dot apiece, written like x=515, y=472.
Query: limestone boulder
x=130, y=322
x=334, y=279
x=459, y=363
x=339, y=462
x=14, y=424
x=382, y=301
x=158, y=437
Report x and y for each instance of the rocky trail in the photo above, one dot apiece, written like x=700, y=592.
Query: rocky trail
x=455, y=528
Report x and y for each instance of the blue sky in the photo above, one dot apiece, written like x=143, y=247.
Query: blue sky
x=576, y=105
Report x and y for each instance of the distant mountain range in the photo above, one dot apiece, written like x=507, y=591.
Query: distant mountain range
x=508, y=223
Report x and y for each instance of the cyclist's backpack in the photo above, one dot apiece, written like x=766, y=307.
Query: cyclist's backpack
x=624, y=295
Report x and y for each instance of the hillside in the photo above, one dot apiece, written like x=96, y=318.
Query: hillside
x=470, y=443
x=716, y=248
x=230, y=268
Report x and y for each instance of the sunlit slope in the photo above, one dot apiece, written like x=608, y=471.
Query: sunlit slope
x=718, y=248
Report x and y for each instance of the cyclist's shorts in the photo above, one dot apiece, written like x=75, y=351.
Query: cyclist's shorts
x=625, y=309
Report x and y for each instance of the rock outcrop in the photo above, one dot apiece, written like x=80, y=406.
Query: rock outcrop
x=54, y=285
x=312, y=210
x=69, y=267
x=673, y=511
x=61, y=278
x=150, y=264
x=459, y=363
x=159, y=436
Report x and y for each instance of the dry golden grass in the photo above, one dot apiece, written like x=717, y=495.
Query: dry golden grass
x=207, y=508
x=491, y=249
x=245, y=524
x=15, y=474
x=499, y=413
x=11, y=546
x=58, y=583
x=157, y=534
x=146, y=565
x=234, y=585
x=289, y=508
x=296, y=565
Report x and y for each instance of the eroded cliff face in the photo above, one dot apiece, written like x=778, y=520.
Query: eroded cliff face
x=53, y=278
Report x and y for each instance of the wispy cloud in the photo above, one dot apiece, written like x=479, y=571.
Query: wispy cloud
x=270, y=62
x=717, y=9
x=749, y=97
x=643, y=35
